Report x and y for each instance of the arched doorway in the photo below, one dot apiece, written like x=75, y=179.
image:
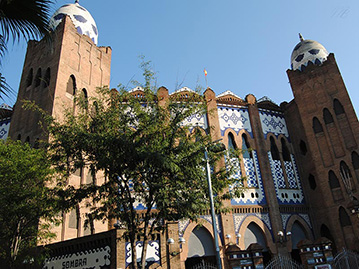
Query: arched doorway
x=325, y=232
x=298, y=234
x=200, y=248
x=254, y=234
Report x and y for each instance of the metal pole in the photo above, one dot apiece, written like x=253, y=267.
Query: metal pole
x=214, y=222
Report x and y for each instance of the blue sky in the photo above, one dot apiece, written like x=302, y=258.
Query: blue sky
x=244, y=45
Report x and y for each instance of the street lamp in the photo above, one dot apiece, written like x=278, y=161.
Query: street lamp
x=284, y=238
x=216, y=148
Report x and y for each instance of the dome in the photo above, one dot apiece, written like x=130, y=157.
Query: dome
x=307, y=51
x=81, y=18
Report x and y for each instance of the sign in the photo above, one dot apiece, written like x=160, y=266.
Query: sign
x=98, y=258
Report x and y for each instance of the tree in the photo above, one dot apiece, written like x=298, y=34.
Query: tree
x=146, y=153
x=21, y=19
x=24, y=199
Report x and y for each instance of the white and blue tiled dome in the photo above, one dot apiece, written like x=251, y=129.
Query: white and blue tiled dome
x=307, y=51
x=81, y=18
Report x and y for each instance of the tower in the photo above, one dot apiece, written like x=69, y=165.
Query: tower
x=54, y=72
x=324, y=128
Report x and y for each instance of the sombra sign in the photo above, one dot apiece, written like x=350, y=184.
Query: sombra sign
x=98, y=258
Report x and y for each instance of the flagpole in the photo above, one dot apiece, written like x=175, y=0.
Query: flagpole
x=205, y=75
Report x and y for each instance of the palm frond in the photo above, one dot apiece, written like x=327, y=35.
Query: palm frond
x=5, y=88
x=24, y=18
x=3, y=47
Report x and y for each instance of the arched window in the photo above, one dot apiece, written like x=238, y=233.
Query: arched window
x=71, y=85
x=27, y=140
x=75, y=219
x=327, y=116
x=317, y=126
x=29, y=78
x=344, y=218
x=273, y=149
x=312, y=182
x=19, y=137
x=85, y=98
x=38, y=77
x=47, y=77
x=298, y=234
x=245, y=147
x=254, y=234
x=355, y=160
x=285, y=151
x=231, y=142
x=338, y=107
x=200, y=243
x=344, y=169
x=333, y=180
x=303, y=147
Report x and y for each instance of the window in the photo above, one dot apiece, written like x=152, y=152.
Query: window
x=273, y=149
x=85, y=98
x=333, y=180
x=29, y=78
x=338, y=107
x=344, y=169
x=344, y=218
x=312, y=182
x=285, y=151
x=38, y=78
x=231, y=142
x=355, y=160
x=317, y=126
x=46, y=81
x=71, y=85
x=245, y=147
x=303, y=147
x=327, y=116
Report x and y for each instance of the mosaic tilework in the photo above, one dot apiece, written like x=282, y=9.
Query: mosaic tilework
x=250, y=172
x=251, y=196
x=292, y=181
x=239, y=218
x=81, y=18
x=218, y=222
x=4, y=129
x=234, y=163
x=153, y=253
x=273, y=122
x=196, y=120
x=182, y=226
x=307, y=219
x=235, y=118
x=278, y=172
x=285, y=195
x=285, y=218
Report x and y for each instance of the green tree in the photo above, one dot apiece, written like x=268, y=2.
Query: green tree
x=146, y=154
x=25, y=174
x=21, y=19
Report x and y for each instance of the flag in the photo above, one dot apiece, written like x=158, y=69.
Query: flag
x=205, y=72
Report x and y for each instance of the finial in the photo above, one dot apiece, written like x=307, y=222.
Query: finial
x=301, y=37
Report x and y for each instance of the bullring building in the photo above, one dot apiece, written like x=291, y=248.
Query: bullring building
x=303, y=166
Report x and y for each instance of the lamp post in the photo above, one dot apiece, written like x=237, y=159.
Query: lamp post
x=214, y=222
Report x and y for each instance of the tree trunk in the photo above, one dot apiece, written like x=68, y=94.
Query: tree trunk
x=144, y=251
x=133, y=250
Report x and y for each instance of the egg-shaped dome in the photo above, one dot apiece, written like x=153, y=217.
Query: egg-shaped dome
x=307, y=51
x=81, y=18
